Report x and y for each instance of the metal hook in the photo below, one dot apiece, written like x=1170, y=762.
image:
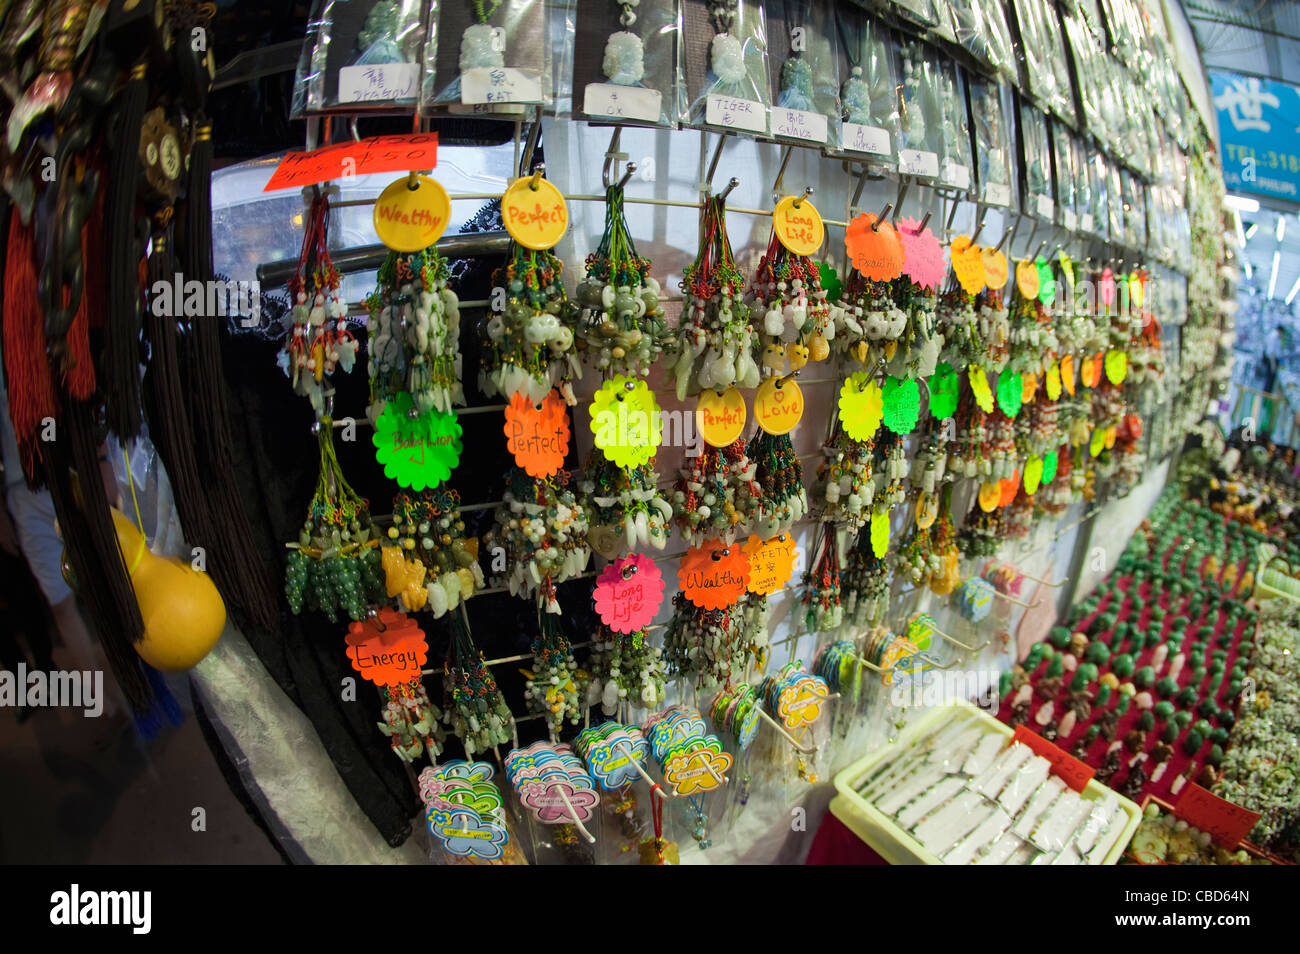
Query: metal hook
x=978, y=230
x=717, y=154
x=947, y=226
x=538, y=172
x=780, y=173
x=921, y=228
x=627, y=174
x=727, y=191
x=530, y=147
x=352, y=128
x=1002, y=241
x=1039, y=252
x=807, y=192
x=857, y=193
x=901, y=195
x=881, y=217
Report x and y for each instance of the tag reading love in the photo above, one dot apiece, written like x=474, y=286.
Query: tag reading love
x=1027, y=279
x=771, y=562
x=625, y=421
x=1064, y=765
x=778, y=405
x=535, y=213
x=996, y=269
x=720, y=416
x=537, y=437
x=967, y=264
x=874, y=248
x=798, y=225
x=714, y=575
x=388, y=649
x=628, y=593
x=1228, y=824
x=410, y=220
x=862, y=406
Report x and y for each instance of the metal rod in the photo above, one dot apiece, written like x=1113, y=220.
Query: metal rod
x=1002, y=241
x=538, y=172
x=727, y=191
x=807, y=192
x=627, y=174
x=466, y=245
x=881, y=217
x=780, y=173
x=900, y=197
x=717, y=154
x=977, y=233
x=857, y=193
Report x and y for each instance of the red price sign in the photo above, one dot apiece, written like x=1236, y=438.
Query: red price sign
x=1069, y=769
x=403, y=153
x=1228, y=824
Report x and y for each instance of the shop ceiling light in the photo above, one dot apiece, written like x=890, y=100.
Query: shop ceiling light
x=1291, y=294
x=1241, y=203
x=1272, y=279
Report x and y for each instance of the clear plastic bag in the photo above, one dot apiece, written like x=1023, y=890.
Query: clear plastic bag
x=1087, y=48
x=1067, y=200
x=981, y=29
x=993, y=143
x=1043, y=48
x=725, y=68
x=1038, y=195
x=955, y=160
x=1085, y=203
x=869, y=93
x=360, y=56
x=920, y=141
x=1100, y=194
x=803, y=70
x=627, y=74
x=496, y=65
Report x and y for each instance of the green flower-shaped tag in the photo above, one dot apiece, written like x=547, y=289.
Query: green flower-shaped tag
x=880, y=533
x=830, y=282
x=1011, y=392
x=416, y=450
x=902, y=405
x=943, y=391
x=979, y=385
x=1050, y=462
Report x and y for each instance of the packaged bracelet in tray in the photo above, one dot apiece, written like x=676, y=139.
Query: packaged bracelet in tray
x=360, y=56
x=625, y=63
x=956, y=789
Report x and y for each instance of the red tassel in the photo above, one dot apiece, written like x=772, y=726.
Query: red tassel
x=79, y=372
x=31, y=388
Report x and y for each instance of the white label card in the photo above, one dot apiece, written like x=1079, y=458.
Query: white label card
x=955, y=175
x=623, y=102
x=1070, y=220
x=914, y=162
x=997, y=193
x=503, y=84
x=735, y=113
x=798, y=124
x=379, y=83
x=859, y=138
x=1045, y=206
x=1086, y=222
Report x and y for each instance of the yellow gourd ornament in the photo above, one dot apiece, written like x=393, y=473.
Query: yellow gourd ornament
x=182, y=611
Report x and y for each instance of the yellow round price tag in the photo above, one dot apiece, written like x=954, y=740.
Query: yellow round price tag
x=798, y=225
x=995, y=269
x=1027, y=279
x=778, y=405
x=720, y=416
x=410, y=220
x=535, y=213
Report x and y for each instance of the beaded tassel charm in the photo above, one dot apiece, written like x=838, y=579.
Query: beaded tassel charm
x=479, y=716
x=528, y=347
x=715, y=344
x=543, y=529
x=820, y=596
x=624, y=508
x=864, y=583
x=797, y=322
x=622, y=322
x=868, y=321
x=555, y=686
x=428, y=531
x=320, y=340
x=845, y=476
x=411, y=721
x=716, y=494
x=414, y=333
x=712, y=645
x=783, y=501
x=625, y=668
x=335, y=565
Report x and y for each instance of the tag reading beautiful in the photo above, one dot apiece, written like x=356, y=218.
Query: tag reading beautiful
x=537, y=436
x=628, y=593
x=625, y=421
x=720, y=416
x=862, y=407
x=778, y=405
x=771, y=562
x=410, y=220
x=535, y=213
x=713, y=575
x=798, y=225
x=874, y=248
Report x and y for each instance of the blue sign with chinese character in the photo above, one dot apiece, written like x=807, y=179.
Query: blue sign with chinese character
x=1259, y=132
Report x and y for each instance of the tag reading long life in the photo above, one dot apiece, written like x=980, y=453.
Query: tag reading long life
x=798, y=225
